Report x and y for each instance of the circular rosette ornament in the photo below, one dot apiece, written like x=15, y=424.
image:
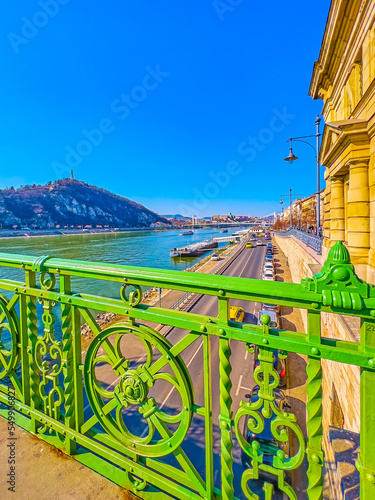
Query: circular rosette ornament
x=9, y=351
x=132, y=398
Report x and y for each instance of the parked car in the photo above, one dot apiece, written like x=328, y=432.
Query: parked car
x=270, y=307
x=269, y=265
x=275, y=318
x=268, y=444
x=215, y=256
x=236, y=314
x=279, y=365
x=268, y=275
x=269, y=257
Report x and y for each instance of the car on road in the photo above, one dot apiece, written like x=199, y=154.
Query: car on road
x=249, y=245
x=215, y=256
x=269, y=265
x=236, y=314
x=275, y=318
x=278, y=364
x=268, y=275
x=268, y=444
x=270, y=307
x=260, y=243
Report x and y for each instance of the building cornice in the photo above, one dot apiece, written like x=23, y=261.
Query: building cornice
x=335, y=23
x=342, y=139
x=341, y=43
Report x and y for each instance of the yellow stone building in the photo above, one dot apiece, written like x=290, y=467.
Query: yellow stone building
x=303, y=213
x=344, y=78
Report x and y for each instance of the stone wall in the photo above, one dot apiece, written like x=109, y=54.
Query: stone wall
x=341, y=383
x=303, y=262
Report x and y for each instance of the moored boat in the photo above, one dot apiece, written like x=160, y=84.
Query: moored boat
x=194, y=250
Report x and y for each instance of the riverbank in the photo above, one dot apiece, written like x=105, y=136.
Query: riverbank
x=16, y=234
x=23, y=233
x=170, y=299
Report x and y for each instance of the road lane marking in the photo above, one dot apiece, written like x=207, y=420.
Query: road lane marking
x=173, y=388
x=251, y=254
x=215, y=475
x=239, y=384
x=187, y=366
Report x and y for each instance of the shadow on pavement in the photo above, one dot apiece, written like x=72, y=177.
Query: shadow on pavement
x=299, y=370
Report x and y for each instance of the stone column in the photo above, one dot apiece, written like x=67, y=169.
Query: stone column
x=372, y=207
x=327, y=218
x=337, y=212
x=358, y=211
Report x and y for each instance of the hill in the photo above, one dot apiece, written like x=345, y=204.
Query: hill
x=176, y=216
x=71, y=202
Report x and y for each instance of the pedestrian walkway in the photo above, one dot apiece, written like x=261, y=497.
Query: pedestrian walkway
x=44, y=473
x=291, y=320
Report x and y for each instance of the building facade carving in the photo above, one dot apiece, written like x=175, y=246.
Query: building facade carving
x=344, y=78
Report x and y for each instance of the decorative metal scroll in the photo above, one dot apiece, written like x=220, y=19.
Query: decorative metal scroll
x=132, y=390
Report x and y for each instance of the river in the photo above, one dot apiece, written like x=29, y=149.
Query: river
x=145, y=249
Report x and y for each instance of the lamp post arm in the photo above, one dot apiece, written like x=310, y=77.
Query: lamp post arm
x=304, y=137
x=299, y=140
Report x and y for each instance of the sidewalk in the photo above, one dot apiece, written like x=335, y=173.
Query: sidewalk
x=296, y=370
x=45, y=473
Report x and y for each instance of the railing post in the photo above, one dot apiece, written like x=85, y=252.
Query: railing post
x=314, y=412
x=25, y=361
x=68, y=363
x=208, y=416
x=366, y=458
x=225, y=418
x=32, y=332
x=77, y=363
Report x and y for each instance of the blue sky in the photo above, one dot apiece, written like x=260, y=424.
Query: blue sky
x=181, y=106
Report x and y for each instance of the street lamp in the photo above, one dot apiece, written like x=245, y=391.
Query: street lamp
x=292, y=158
x=290, y=195
x=282, y=214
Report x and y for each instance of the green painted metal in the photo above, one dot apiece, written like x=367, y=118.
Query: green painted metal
x=314, y=413
x=366, y=459
x=56, y=382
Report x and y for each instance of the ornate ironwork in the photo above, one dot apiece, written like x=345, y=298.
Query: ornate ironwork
x=125, y=423
x=311, y=240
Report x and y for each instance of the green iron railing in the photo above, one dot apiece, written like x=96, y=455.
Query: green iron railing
x=60, y=397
